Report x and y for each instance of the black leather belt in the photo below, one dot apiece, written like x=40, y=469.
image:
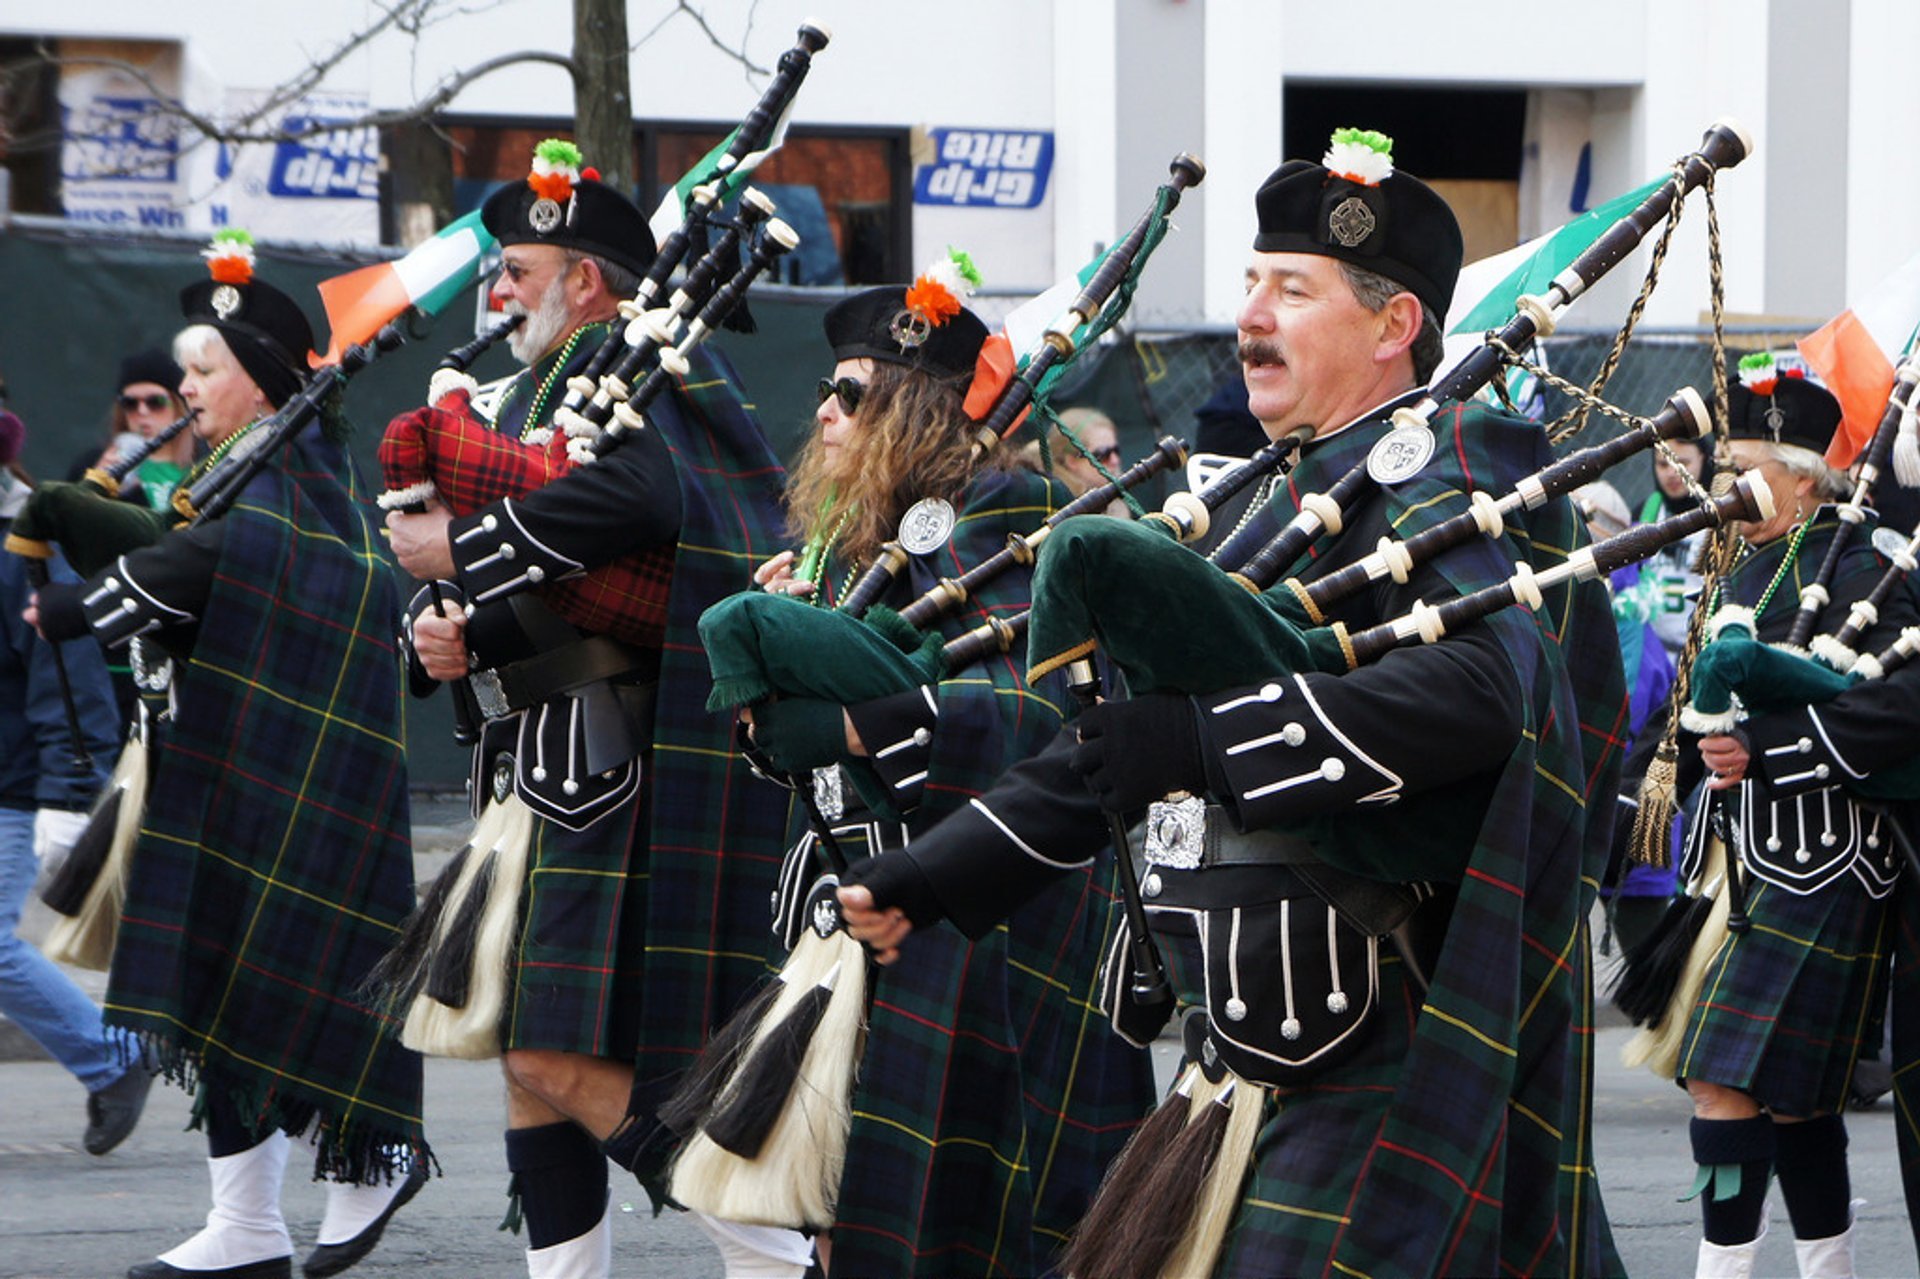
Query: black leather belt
x=1205, y=839
x=1192, y=835
x=505, y=689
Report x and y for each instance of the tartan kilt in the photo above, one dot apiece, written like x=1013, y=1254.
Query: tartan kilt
x=992, y=1096
x=576, y=978
x=1785, y=1009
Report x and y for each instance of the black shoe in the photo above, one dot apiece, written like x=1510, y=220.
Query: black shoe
x=1872, y=1080
x=332, y=1258
x=278, y=1268
x=114, y=1110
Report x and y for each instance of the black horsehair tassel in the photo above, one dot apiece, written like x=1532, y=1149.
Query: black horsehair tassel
x=66, y=892
x=708, y=1075
x=744, y=1120
x=1109, y=1235
x=393, y=982
x=450, y=978
x=1651, y=971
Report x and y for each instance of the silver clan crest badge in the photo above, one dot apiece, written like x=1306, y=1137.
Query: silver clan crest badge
x=544, y=216
x=927, y=525
x=1400, y=454
x=225, y=301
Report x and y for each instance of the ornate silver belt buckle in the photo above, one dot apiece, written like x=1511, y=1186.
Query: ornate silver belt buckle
x=1176, y=832
x=488, y=693
x=829, y=792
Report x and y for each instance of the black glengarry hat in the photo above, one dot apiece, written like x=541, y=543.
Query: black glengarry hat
x=563, y=204
x=922, y=325
x=263, y=327
x=1776, y=402
x=1355, y=206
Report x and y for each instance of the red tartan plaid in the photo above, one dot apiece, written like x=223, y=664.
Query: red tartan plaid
x=472, y=465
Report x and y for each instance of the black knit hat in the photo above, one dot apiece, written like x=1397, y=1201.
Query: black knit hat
x=151, y=365
x=1355, y=206
x=263, y=327
x=1780, y=406
x=562, y=204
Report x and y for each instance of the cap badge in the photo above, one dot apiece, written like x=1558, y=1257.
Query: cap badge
x=544, y=216
x=225, y=301
x=909, y=329
x=1351, y=222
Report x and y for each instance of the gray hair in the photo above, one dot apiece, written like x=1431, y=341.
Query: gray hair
x=1827, y=482
x=620, y=282
x=195, y=341
x=1373, y=291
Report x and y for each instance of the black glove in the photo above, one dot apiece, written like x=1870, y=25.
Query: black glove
x=1135, y=751
x=800, y=733
x=896, y=881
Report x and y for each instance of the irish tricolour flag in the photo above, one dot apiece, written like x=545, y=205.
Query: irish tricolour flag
x=429, y=277
x=673, y=207
x=1484, y=297
x=1854, y=354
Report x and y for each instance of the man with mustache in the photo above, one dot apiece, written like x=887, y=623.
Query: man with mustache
x=637, y=935
x=1368, y=888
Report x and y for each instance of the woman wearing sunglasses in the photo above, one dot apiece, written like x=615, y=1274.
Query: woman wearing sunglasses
x=147, y=402
x=990, y=1096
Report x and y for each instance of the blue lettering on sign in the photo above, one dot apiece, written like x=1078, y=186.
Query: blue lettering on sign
x=336, y=164
x=994, y=168
x=126, y=139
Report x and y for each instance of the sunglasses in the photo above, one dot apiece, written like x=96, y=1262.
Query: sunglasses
x=1111, y=453
x=152, y=403
x=849, y=390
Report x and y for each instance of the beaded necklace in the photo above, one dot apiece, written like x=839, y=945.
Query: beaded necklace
x=1779, y=576
x=221, y=449
x=813, y=561
x=530, y=422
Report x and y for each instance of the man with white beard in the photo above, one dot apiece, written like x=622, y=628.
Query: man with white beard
x=570, y=613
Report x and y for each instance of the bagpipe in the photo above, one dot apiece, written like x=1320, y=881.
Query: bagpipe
x=447, y=452
x=450, y=451
x=765, y=1112
x=1101, y=301
x=689, y=238
x=755, y=641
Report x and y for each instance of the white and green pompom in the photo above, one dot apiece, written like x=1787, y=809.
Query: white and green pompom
x=955, y=272
x=1360, y=155
x=557, y=155
x=1758, y=369
x=230, y=243
x=230, y=256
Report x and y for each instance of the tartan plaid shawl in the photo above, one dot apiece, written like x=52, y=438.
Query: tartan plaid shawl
x=991, y=1096
x=1480, y=1160
x=274, y=865
x=713, y=831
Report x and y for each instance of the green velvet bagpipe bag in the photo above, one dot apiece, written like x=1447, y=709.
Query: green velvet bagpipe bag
x=1160, y=612
x=760, y=645
x=1765, y=678
x=93, y=530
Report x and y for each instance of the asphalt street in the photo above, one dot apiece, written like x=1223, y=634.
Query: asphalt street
x=67, y=1215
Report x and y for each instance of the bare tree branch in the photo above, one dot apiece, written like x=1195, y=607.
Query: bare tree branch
x=700, y=19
